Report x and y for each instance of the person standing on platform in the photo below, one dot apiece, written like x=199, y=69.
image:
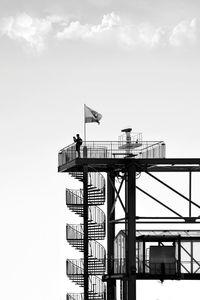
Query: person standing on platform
x=78, y=141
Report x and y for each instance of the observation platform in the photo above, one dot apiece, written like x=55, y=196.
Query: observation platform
x=107, y=156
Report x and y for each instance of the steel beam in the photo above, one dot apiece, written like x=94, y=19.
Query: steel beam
x=85, y=222
x=130, y=202
x=190, y=194
x=111, y=283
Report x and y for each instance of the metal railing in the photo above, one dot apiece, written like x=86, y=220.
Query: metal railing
x=163, y=268
x=95, y=179
x=113, y=149
x=76, y=267
x=74, y=197
x=118, y=266
x=95, y=214
x=76, y=232
x=96, y=286
x=75, y=296
x=190, y=266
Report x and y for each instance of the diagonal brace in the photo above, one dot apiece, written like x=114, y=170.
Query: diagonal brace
x=185, y=268
x=159, y=202
x=191, y=256
x=172, y=189
x=117, y=196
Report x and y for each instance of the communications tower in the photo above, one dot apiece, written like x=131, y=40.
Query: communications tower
x=133, y=252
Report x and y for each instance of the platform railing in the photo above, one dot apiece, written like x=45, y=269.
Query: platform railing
x=192, y=267
x=113, y=149
x=118, y=266
x=163, y=268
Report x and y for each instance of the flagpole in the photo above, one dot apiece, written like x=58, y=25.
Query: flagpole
x=84, y=127
x=85, y=146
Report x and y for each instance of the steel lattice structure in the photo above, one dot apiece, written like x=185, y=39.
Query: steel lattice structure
x=122, y=165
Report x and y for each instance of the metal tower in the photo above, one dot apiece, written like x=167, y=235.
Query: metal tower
x=133, y=253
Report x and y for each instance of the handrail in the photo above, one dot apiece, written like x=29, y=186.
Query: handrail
x=77, y=233
x=95, y=179
x=76, y=267
x=73, y=266
x=118, y=266
x=95, y=213
x=104, y=142
x=75, y=296
x=96, y=285
x=96, y=249
x=76, y=195
x=113, y=149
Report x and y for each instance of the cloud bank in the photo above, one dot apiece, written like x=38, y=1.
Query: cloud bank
x=112, y=29
x=28, y=30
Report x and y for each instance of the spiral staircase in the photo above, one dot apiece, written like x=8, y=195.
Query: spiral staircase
x=96, y=231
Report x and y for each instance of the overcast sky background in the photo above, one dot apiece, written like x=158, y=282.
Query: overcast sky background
x=137, y=63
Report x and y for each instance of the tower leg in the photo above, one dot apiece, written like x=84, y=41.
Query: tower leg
x=125, y=293
x=111, y=283
x=85, y=222
x=130, y=202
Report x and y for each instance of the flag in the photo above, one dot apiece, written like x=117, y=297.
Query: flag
x=92, y=115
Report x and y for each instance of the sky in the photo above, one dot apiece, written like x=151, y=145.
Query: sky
x=137, y=63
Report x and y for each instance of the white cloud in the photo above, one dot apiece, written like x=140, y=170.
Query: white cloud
x=112, y=29
x=75, y=30
x=31, y=31
x=184, y=33
x=160, y=37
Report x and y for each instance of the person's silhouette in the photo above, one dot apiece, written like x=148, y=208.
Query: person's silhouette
x=78, y=142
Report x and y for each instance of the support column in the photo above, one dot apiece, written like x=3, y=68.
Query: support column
x=111, y=283
x=125, y=293
x=85, y=222
x=179, y=257
x=192, y=255
x=130, y=197
x=190, y=194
